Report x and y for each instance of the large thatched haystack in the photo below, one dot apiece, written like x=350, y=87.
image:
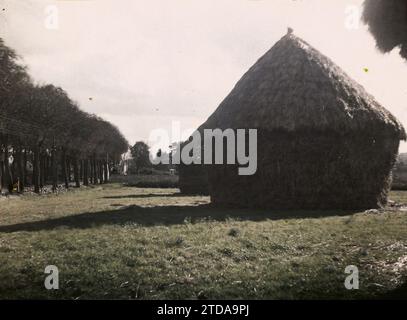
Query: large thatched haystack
x=323, y=142
x=193, y=178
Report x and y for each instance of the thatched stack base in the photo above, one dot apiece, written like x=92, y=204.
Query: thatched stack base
x=303, y=170
x=193, y=179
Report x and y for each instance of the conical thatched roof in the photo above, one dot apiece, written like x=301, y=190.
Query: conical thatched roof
x=295, y=87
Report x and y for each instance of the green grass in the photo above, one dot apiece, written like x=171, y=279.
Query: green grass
x=113, y=241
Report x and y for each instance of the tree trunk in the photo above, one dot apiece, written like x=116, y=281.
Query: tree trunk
x=69, y=170
x=25, y=167
x=101, y=178
x=42, y=170
x=7, y=174
x=106, y=171
x=76, y=173
x=13, y=169
x=20, y=170
x=94, y=171
x=81, y=173
x=91, y=173
x=54, y=169
x=48, y=173
x=47, y=168
x=1, y=172
x=90, y=166
x=86, y=172
x=65, y=169
x=36, y=169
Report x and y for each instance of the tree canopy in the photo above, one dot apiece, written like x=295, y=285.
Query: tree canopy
x=41, y=124
x=387, y=21
x=141, y=155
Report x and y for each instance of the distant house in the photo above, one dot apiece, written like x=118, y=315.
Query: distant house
x=124, y=163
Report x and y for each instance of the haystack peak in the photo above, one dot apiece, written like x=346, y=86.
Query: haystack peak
x=295, y=87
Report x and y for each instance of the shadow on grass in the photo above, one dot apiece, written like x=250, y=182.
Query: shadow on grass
x=150, y=195
x=164, y=215
x=399, y=293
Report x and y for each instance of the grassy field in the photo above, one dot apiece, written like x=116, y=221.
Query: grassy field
x=115, y=241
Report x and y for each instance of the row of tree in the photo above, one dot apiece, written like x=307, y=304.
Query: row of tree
x=45, y=137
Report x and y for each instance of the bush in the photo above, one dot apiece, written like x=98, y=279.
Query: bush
x=147, y=181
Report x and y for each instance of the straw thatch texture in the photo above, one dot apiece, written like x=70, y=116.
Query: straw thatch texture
x=309, y=170
x=387, y=21
x=193, y=179
x=323, y=142
x=294, y=87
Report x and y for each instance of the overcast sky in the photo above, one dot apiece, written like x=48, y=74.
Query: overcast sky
x=147, y=63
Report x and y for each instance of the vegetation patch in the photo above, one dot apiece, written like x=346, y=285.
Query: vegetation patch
x=138, y=243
